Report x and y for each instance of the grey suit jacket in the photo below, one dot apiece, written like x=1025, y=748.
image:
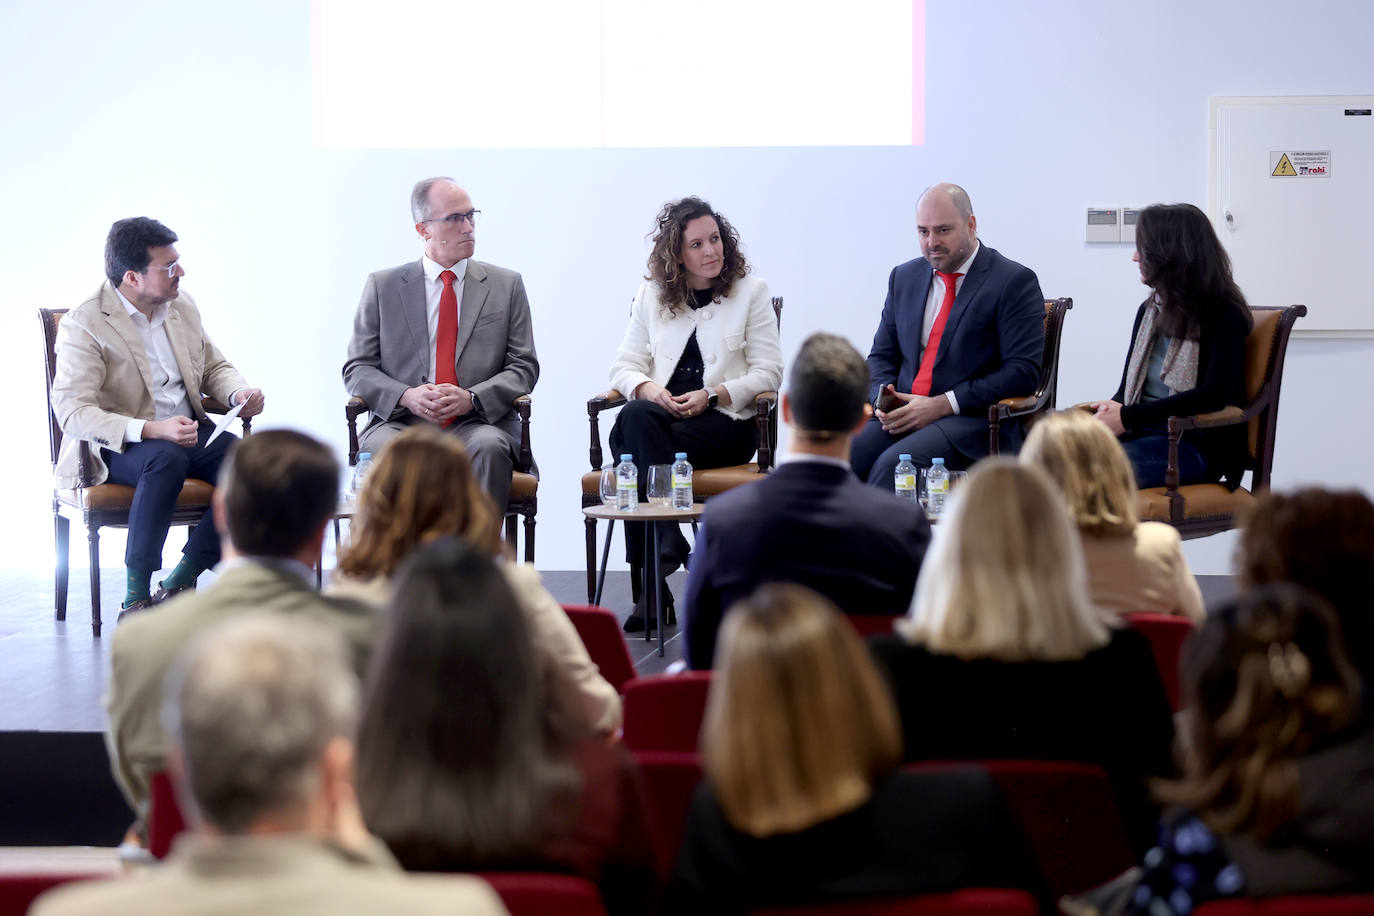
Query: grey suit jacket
x=390, y=350
x=273, y=874
x=146, y=645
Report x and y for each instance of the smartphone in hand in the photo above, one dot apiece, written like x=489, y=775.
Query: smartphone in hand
x=888, y=400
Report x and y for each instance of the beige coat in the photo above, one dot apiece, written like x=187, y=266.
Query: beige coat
x=581, y=695
x=103, y=378
x=264, y=875
x=146, y=644
x=1142, y=573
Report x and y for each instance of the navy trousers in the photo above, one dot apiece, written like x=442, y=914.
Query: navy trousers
x=156, y=469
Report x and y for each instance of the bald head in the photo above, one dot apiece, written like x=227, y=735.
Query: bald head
x=946, y=226
x=953, y=193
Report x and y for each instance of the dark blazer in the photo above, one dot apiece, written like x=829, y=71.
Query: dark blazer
x=918, y=833
x=1108, y=708
x=991, y=346
x=807, y=522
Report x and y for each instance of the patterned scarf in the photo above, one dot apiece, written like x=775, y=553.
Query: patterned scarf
x=1180, y=359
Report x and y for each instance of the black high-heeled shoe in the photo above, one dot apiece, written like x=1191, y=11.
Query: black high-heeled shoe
x=635, y=622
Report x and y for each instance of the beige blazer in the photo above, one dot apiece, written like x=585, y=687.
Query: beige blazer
x=146, y=644
x=103, y=379
x=581, y=696
x=265, y=875
x=1142, y=573
x=738, y=337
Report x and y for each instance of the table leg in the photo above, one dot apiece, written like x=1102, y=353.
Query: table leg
x=605, y=556
x=658, y=592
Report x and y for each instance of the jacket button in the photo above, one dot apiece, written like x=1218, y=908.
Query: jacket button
x=711, y=358
x=706, y=313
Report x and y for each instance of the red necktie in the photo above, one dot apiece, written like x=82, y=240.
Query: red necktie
x=921, y=384
x=446, y=337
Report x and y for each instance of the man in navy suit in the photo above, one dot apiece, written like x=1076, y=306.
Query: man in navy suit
x=962, y=328
x=811, y=521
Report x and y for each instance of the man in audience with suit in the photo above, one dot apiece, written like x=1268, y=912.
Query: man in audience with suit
x=132, y=363
x=445, y=340
x=811, y=521
x=277, y=491
x=962, y=328
x=261, y=711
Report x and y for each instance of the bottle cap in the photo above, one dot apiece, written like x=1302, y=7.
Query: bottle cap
x=681, y=456
x=627, y=458
x=939, y=461
x=903, y=457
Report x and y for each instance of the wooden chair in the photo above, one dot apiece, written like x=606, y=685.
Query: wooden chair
x=542, y=893
x=969, y=901
x=663, y=712
x=1198, y=510
x=1033, y=405
x=600, y=633
x=103, y=505
x=1292, y=905
x=524, y=486
x=706, y=482
x=1166, y=634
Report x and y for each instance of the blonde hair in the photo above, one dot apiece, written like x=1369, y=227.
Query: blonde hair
x=798, y=722
x=1005, y=580
x=421, y=488
x=1091, y=468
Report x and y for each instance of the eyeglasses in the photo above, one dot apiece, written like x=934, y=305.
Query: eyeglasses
x=170, y=269
x=453, y=219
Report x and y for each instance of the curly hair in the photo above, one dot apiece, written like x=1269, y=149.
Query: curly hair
x=1265, y=678
x=665, y=260
x=421, y=488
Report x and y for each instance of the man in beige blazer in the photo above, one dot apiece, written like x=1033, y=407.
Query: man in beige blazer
x=132, y=363
x=277, y=492
x=263, y=709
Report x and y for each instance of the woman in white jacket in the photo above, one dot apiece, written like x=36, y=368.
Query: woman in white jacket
x=701, y=345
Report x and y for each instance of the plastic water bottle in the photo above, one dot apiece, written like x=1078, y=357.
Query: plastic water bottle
x=626, y=484
x=937, y=486
x=360, y=472
x=904, y=479
x=682, y=481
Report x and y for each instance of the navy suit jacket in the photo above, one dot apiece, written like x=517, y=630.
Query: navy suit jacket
x=991, y=346
x=807, y=522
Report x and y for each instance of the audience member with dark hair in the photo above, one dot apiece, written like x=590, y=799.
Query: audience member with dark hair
x=1187, y=352
x=1133, y=566
x=1277, y=794
x=457, y=768
x=1322, y=540
x=260, y=711
x=422, y=488
x=276, y=493
x=803, y=801
x=702, y=344
x=811, y=521
x=1005, y=655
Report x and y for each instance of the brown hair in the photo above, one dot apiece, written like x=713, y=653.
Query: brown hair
x=1091, y=468
x=1265, y=678
x=421, y=488
x=798, y=722
x=665, y=260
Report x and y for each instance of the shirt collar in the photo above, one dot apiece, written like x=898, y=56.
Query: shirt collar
x=155, y=320
x=799, y=457
x=281, y=564
x=433, y=269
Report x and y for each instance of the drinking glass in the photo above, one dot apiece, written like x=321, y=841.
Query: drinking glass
x=608, y=485
x=661, y=484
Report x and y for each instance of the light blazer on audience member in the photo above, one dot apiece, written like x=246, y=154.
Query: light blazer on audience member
x=146, y=645
x=811, y=522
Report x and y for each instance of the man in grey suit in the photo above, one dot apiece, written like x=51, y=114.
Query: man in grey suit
x=262, y=710
x=445, y=340
x=277, y=491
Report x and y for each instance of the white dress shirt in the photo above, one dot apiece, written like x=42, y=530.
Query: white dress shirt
x=434, y=288
x=933, y=303
x=169, y=391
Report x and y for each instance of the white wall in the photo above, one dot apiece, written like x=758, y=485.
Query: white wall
x=201, y=117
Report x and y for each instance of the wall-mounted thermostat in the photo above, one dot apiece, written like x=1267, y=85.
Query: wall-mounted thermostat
x=1104, y=225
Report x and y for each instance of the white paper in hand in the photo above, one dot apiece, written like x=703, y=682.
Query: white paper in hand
x=224, y=421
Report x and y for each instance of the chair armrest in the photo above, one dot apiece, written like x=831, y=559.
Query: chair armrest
x=84, y=475
x=604, y=401
x=1013, y=407
x=1227, y=416
x=355, y=407
x=525, y=458
x=765, y=418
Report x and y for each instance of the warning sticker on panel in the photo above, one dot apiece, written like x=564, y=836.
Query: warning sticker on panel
x=1299, y=163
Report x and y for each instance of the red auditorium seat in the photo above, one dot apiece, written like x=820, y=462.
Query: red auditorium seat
x=600, y=632
x=1305, y=905
x=663, y=712
x=18, y=891
x=165, y=819
x=1166, y=634
x=974, y=901
x=670, y=778
x=541, y=894
x=872, y=624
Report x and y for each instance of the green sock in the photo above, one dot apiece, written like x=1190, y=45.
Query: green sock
x=184, y=574
x=136, y=585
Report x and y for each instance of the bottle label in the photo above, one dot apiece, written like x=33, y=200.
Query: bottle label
x=937, y=487
x=626, y=483
x=906, y=481
x=682, y=480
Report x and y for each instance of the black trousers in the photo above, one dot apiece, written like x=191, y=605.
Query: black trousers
x=653, y=435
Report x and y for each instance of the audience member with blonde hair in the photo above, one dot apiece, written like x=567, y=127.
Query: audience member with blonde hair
x=803, y=800
x=1005, y=656
x=422, y=488
x=1133, y=567
x=1277, y=795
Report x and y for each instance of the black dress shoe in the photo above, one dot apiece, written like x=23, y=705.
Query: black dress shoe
x=133, y=607
x=161, y=594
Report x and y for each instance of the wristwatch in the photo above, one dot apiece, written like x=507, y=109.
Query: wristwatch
x=712, y=399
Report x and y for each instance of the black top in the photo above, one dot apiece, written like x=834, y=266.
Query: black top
x=1108, y=708
x=691, y=369
x=917, y=833
x=1220, y=383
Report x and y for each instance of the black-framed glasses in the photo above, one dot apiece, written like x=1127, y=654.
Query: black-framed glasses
x=453, y=219
x=170, y=270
